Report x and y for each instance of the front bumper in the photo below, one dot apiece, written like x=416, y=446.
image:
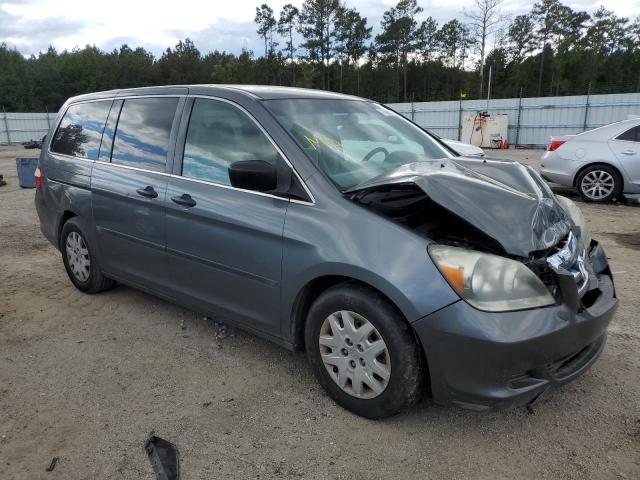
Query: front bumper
x=483, y=360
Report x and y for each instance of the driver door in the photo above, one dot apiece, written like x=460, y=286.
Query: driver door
x=224, y=243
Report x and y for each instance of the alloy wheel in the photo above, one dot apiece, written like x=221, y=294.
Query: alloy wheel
x=597, y=184
x=354, y=354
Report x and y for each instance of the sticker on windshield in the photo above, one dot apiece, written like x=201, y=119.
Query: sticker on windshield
x=316, y=140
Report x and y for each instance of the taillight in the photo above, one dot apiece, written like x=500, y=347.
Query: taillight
x=554, y=145
x=38, y=177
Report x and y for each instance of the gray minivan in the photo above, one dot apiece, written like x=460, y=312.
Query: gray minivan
x=330, y=223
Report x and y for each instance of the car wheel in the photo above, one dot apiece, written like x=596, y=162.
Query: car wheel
x=363, y=352
x=599, y=184
x=79, y=259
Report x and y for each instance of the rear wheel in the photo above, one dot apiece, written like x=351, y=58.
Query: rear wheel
x=363, y=352
x=599, y=183
x=79, y=259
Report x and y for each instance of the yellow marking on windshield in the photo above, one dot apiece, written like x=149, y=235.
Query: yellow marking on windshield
x=316, y=140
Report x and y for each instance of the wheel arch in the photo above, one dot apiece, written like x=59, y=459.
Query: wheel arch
x=312, y=290
x=64, y=218
x=594, y=164
x=315, y=287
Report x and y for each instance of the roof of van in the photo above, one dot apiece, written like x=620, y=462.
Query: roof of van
x=264, y=92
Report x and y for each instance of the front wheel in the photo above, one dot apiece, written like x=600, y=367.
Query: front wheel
x=363, y=352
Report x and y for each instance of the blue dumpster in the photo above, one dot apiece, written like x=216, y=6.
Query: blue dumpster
x=26, y=171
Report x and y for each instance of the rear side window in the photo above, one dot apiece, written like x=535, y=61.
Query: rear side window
x=142, y=134
x=80, y=130
x=631, y=135
x=218, y=135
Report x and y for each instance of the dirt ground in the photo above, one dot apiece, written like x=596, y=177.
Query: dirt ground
x=87, y=378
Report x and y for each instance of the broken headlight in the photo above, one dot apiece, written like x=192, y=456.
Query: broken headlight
x=576, y=215
x=489, y=282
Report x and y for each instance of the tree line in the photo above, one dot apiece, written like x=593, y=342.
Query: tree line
x=551, y=50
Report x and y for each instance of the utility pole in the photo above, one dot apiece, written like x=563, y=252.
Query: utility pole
x=489, y=86
x=519, y=115
x=586, y=109
x=6, y=125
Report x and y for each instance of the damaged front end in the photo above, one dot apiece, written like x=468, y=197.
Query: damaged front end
x=538, y=292
x=499, y=208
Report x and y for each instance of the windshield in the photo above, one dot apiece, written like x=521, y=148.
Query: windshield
x=353, y=141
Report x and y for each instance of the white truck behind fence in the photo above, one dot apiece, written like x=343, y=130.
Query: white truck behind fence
x=531, y=120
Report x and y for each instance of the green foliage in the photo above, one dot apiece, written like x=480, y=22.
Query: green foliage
x=427, y=38
x=267, y=25
x=399, y=38
x=286, y=27
x=317, y=26
x=553, y=50
x=352, y=35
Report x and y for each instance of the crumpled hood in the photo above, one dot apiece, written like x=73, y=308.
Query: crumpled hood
x=507, y=201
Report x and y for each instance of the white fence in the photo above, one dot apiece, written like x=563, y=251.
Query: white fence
x=531, y=120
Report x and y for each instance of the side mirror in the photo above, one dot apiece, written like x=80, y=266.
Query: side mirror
x=256, y=175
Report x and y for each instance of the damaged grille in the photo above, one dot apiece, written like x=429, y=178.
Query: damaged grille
x=543, y=271
x=572, y=272
x=572, y=259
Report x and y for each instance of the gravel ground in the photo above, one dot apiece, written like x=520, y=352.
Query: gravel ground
x=87, y=378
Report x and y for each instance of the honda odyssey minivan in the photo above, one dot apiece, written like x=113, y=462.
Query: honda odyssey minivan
x=330, y=223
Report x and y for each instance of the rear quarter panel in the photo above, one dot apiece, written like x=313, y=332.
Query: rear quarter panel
x=576, y=154
x=65, y=188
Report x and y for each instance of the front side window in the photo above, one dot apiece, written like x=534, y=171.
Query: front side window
x=218, y=135
x=631, y=135
x=80, y=130
x=143, y=131
x=354, y=141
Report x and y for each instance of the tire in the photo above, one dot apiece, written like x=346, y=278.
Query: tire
x=80, y=261
x=599, y=183
x=401, y=361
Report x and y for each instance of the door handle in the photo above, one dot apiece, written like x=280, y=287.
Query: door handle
x=184, y=199
x=628, y=152
x=147, y=191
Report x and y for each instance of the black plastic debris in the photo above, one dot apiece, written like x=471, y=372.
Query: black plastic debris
x=163, y=456
x=52, y=465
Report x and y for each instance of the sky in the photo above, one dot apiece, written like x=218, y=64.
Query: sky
x=32, y=25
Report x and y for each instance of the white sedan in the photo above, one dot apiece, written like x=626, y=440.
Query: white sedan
x=602, y=163
x=464, y=149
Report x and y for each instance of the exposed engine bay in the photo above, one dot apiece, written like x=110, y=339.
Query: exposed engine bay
x=408, y=205
x=505, y=210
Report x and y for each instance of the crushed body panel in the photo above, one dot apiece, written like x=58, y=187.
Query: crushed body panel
x=507, y=201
